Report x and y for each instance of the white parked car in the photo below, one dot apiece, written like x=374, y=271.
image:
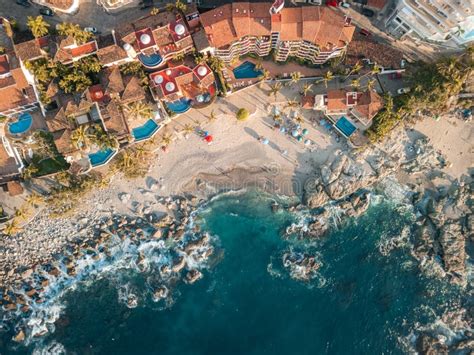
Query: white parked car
x=91, y=29
x=345, y=5
x=403, y=91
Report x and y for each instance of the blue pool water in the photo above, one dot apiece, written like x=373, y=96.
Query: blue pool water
x=179, y=106
x=246, y=70
x=345, y=126
x=148, y=129
x=21, y=125
x=101, y=157
x=362, y=302
x=150, y=61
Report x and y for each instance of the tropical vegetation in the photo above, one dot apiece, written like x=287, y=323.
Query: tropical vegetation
x=242, y=114
x=38, y=26
x=75, y=31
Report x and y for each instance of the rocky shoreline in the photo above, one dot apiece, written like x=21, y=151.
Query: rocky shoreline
x=170, y=245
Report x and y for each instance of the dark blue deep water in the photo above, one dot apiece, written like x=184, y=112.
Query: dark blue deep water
x=361, y=303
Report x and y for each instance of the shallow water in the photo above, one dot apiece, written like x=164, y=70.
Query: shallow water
x=361, y=301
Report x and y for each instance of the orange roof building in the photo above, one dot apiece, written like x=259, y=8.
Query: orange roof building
x=361, y=105
x=313, y=33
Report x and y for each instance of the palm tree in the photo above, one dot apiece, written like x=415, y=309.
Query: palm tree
x=259, y=64
x=370, y=84
x=138, y=109
x=277, y=118
x=326, y=78
x=81, y=137
x=299, y=119
x=169, y=7
x=154, y=11
x=355, y=69
x=355, y=84
x=29, y=172
x=12, y=228
x=306, y=88
x=34, y=200
x=20, y=213
x=187, y=129
x=263, y=77
x=212, y=117
x=38, y=26
x=295, y=77
x=166, y=139
x=275, y=89
x=292, y=104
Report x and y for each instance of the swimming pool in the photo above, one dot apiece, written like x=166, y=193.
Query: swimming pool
x=179, y=106
x=246, y=70
x=148, y=129
x=21, y=125
x=345, y=126
x=150, y=61
x=101, y=157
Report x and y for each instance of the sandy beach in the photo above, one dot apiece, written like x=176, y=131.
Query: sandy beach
x=235, y=160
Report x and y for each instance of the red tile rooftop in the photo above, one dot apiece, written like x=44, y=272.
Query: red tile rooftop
x=201, y=71
x=178, y=30
x=166, y=78
x=145, y=38
x=96, y=93
x=4, y=65
x=87, y=48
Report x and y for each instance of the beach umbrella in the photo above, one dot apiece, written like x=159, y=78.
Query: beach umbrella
x=298, y=126
x=206, y=133
x=307, y=142
x=300, y=138
x=208, y=138
x=282, y=129
x=305, y=132
x=265, y=141
x=295, y=133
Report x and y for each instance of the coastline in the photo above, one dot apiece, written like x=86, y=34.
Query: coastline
x=193, y=171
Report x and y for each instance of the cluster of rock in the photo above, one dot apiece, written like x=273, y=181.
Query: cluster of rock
x=453, y=335
x=301, y=266
x=324, y=218
x=445, y=216
x=446, y=219
x=135, y=240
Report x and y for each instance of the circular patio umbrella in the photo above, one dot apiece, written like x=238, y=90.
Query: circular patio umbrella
x=208, y=138
x=295, y=133
x=300, y=138
x=265, y=141
x=282, y=129
x=298, y=126
x=305, y=132
x=307, y=142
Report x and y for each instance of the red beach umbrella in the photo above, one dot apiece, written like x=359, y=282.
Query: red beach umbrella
x=208, y=138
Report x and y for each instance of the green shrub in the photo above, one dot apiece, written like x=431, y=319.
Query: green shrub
x=242, y=114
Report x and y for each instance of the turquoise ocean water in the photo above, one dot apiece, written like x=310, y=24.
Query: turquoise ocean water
x=362, y=301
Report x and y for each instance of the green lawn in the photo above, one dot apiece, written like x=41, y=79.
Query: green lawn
x=50, y=166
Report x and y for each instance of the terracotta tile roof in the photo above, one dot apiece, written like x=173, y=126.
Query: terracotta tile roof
x=4, y=64
x=368, y=104
x=62, y=140
x=14, y=188
x=52, y=89
x=57, y=120
x=29, y=50
x=320, y=25
x=60, y=4
x=87, y=48
x=377, y=4
x=218, y=26
x=111, y=54
x=115, y=121
x=8, y=164
x=133, y=90
x=112, y=81
x=336, y=100
x=185, y=79
x=307, y=101
x=201, y=42
x=17, y=93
